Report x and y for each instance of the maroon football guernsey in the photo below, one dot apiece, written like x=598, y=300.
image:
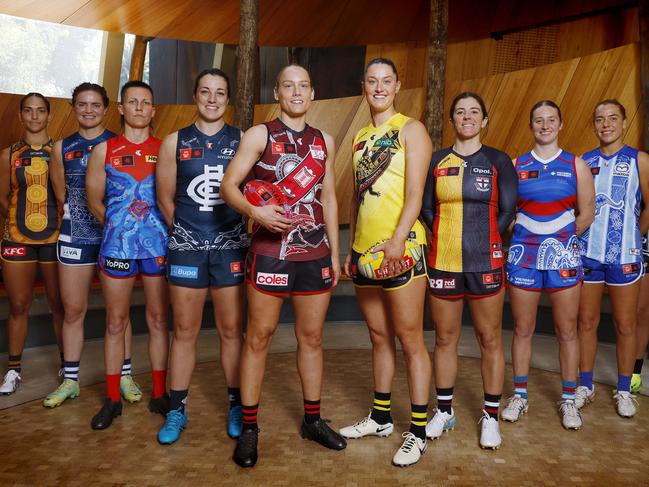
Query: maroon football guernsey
x=295, y=161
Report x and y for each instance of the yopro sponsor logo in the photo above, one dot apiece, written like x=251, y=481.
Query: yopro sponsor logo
x=70, y=253
x=185, y=272
x=118, y=264
x=268, y=279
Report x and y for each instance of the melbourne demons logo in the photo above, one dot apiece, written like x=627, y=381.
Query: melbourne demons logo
x=204, y=188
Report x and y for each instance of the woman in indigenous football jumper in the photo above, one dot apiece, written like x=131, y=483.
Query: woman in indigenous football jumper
x=293, y=253
x=612, y=251
x=390, y=160
x=32, y=221
x=469, y=202
x=80, y=238
x=207, y=246
x=120, y=185
x=556, y=202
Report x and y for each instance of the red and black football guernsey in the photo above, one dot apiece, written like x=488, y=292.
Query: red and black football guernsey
x=295, y=161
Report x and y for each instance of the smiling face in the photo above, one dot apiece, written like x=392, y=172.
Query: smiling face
x=89, y=109
x=211, y=97
x=468, y=118
x=137, y=107
x=546, y=125
x=294, y=91
x=609, y=124
x=380, y=86
x=34, y=115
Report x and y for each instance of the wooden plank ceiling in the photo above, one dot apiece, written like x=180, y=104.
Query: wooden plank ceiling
x=302, y=23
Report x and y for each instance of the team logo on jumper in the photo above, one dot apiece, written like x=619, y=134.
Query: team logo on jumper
x=482, y=184
x=72, y=155
x=184, y=272
x=70, y=252
x=374, y=162
x=14, y=251
x=204, y=188
x=317, y=152
x=268, y=279
x=235, y=267
x=117, y=264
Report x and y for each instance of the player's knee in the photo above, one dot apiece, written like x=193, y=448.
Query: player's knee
x=566, y=332
x=588, y=324
x=230, y=332
x=625, y=328
x=310, y=341
x=116, y=325
x=20, y=307
x=490, y=340
x=258, y=340
x=446, y=338
x=524, y=330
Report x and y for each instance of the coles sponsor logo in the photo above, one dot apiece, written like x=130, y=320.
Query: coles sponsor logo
x=14, y=251
x=630, y=268
x=235, y=267
x=268, y=279
x=70, y=252
x=567, y=273
x=317, y=152
x=184, y=272
x=326, y=272
x=117, y=264
x=442, y=283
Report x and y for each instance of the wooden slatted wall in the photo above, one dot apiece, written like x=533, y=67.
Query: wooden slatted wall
x=576, y=85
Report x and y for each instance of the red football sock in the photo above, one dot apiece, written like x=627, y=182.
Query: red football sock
x=112, y=387
x=159, y=382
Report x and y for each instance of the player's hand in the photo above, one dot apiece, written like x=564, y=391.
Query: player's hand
x=393, y=251
x=272, y=218
x=347, y=266
x=335, y=265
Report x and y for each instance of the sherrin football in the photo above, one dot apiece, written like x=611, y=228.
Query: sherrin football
x=262, y=193
x=370, y=263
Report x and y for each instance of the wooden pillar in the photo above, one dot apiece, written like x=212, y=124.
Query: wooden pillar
x=643, y=17
x=137, y=57
x=244, y=107
x=436, y=71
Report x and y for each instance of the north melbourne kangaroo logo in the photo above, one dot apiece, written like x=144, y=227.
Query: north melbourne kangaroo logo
x=204, y=188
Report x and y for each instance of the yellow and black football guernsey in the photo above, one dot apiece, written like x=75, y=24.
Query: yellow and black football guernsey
x=379, y=161
x=469, y=201
x=33, y=213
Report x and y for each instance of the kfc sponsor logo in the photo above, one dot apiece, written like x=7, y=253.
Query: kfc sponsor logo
x=235, y=267
x=14, y=251
x=70, y=253
x=268, y=279
x=117, y=264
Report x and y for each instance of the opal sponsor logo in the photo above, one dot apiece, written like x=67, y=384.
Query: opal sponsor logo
x=70, y=253
x=184, y=272
x=268, y=279
x=482, y=171
x=117, y=264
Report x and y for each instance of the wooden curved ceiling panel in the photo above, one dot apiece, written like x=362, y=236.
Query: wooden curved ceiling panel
x=303, y=23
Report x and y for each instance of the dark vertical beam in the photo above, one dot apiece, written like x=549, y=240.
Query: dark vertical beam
x=244, y=106
x=436, y=71
x=643, y=17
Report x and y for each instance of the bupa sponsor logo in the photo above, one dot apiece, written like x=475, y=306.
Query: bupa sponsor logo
x=14, y=251
x=269, y=279
x=184, y=272
x=70, y=252
x=117, y=264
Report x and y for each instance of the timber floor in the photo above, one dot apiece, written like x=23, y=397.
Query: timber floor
x=57, y=447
